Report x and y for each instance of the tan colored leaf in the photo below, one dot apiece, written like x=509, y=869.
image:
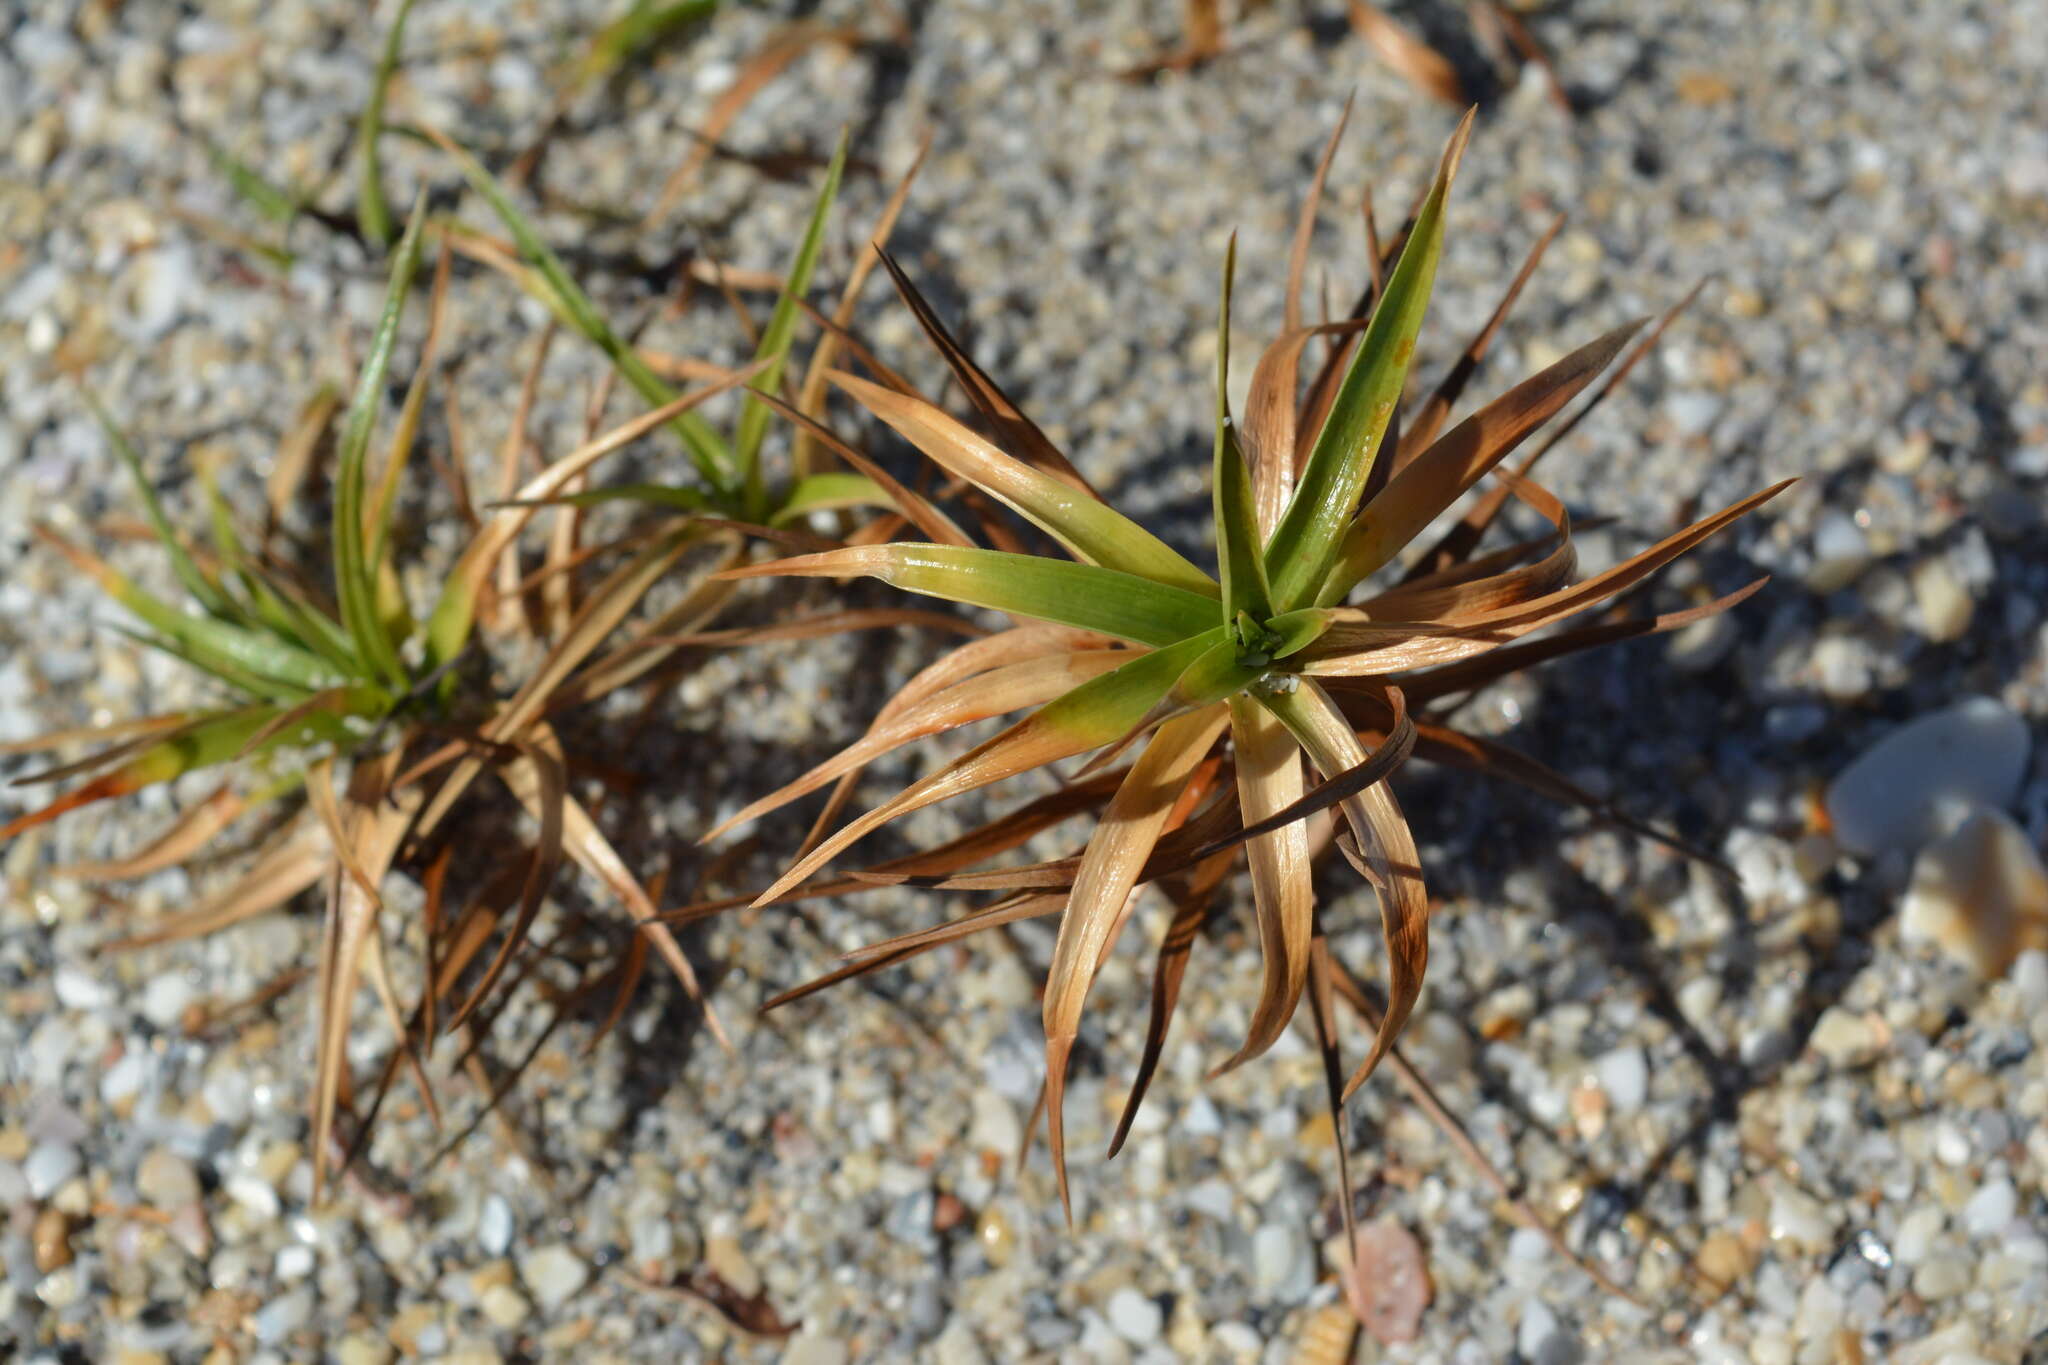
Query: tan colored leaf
x=1416, y=61
x=194, y=828
x=1102, y=893
x=1385, y=845
x=1268, y=781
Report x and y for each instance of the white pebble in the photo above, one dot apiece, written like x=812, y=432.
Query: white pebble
x=1840, y=554
x=494, y=1226
x=1980, y=895
x=1625, y=1076
x=1990, y=1209
x=125, y=1077
x=995, y=1127
x=78, y=989
x=254, y=1194
x=1136, y=1318
x=553, y=1273
x=1280, y=1262
x=49, y=1165
x=1916, y=1234
x=1924, y=778
x=814, y=1348
x=1797, y=1218
x=166, y=1179
x=283, y=1315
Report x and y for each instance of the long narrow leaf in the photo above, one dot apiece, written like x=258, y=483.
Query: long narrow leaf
x=1094, y=531
x=1307, y=539
x=355, y=579
x=1080, y=595
x=773, y=351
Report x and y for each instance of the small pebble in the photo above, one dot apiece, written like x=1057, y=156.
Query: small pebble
x=553, y=1273
x=494, y=1226
x=282, y=1316
x=1927, y=776
x=1388, y=1283
x=49, y=1165
x=1990, y=1209
x=1625, y=1075
x=1980, y=895
x=503, y=1305
x=1137, y=1318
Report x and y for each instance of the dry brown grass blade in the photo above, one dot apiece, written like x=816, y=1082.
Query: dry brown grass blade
x=1323, y=1011
x=1429, y=419
x=293, y=862
x=371, y=830
x=1421, y=65
x=631, y=969
x=627, y=661
x=1425, y=1098
x=585, y=843
x=1004, y=647
x=173, y=728
x=997, y=692
x=1419, y=494
x=1386, y=851
x=822, y=624
x=914, y=506
x=811, y=395
x=146, y=728
x=1190, y=908
x=502, y=527
x=1268, y=783
x=1460, y=540
x=1270, y=436
x=857, y=348
x=1487, y=14
x=193, y=830
x=1305, y=225
x=1008, y=911
x=1464, y=677
x=1104, y=888
x=504, y=565
x=1201, y=41
x=764, y=66
x=1590, y=592
x=296, y=453
x=1017, y=431
x=543, y=788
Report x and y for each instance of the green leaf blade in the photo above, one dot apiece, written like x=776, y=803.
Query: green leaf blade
x=780, y=332
x=1084, y=596
x=1306, y=542
x=355, y=577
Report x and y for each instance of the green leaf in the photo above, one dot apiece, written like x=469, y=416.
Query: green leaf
x=203, y=590
x=355, y=577
x=645, y=24
x=1216, y=673
x=373, y=214
x=829, y=492
x=1084, y=596
x=1306, y=541
x=713, y=457
x=781, y=330
x=651, y=494
x=1090, y=528
x=275, y=204
x=1239, y=562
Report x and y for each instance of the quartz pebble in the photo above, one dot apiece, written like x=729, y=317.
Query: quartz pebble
x=1980, y=895
x=1926, y=777
x=49, y=1165
x=1625, y=1076
x=494, y=1226
x=1136, y=1318
x=1990, y=1209
x=553, y=1273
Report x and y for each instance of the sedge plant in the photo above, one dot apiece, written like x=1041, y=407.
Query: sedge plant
x=369, y=716
x=1217, y=689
